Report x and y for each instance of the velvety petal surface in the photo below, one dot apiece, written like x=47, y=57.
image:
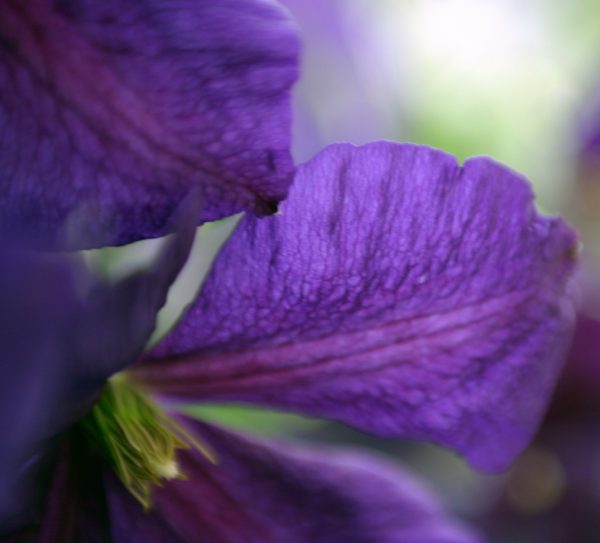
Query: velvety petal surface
x=268, y=493
x=63, y=332
x=397, y=292
x=111, y=111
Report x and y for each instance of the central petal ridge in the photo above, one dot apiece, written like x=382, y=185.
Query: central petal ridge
x=138, y=439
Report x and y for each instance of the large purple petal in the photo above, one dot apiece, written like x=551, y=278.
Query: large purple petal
x=62, y=334
x=397, y=292
x=111, y=111
x=273, y=494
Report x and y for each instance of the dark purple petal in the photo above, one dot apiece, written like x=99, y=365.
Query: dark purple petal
x=36, y=298
x=116, y=320
x=75, y=508
x=396, y=292
x=268, y=493
x=111, y=111
x=63, y=333
x=584, y=355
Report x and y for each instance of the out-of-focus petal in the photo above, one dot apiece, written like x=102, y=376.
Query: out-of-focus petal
x=397, y=292
x=115, y=321
x=62, y=334
x=584, y=355
x=266, y=493
x=37, y=296
x=588, y=130
x=111, y=111
x=577, y=395
x=335, y=99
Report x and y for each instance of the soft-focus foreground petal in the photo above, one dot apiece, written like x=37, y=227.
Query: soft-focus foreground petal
x=36, y=296
x=265, y=493
x=397, y=292
x=62, y=334
x=111, y=111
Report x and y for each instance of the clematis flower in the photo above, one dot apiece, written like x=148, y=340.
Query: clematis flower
x=397, y=292
x=112, y=111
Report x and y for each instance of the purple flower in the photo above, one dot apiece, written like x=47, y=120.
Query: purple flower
x=396, y=291
x=112, y=111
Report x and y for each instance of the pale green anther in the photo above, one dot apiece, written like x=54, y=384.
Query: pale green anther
x=138, y=438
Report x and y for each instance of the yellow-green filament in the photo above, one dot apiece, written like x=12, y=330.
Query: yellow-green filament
x=138, y=438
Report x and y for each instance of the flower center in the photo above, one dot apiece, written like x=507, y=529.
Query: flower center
x=138, y=439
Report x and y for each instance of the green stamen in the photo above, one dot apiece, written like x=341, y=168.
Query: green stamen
x=138, y=438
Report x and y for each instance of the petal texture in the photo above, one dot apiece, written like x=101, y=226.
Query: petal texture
x=267, y=493
x=397, y=292
x=111, y=111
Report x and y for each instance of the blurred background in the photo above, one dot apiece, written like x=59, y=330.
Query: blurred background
x=518, y=80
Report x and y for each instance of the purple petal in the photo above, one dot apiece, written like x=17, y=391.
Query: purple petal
x=270, y=493
x=112, y=110
x=397, y=292
x=63, y=333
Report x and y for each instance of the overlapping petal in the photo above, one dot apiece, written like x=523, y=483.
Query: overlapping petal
x=111, y=111
x=397, y=292
x=267, y=493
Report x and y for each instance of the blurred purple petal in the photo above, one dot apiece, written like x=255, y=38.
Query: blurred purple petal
x=578, y=392
x=584, y=356
x=398, y=293
x=589, y=130
x=112, y=110
x=337, y=99
x=266, y=493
